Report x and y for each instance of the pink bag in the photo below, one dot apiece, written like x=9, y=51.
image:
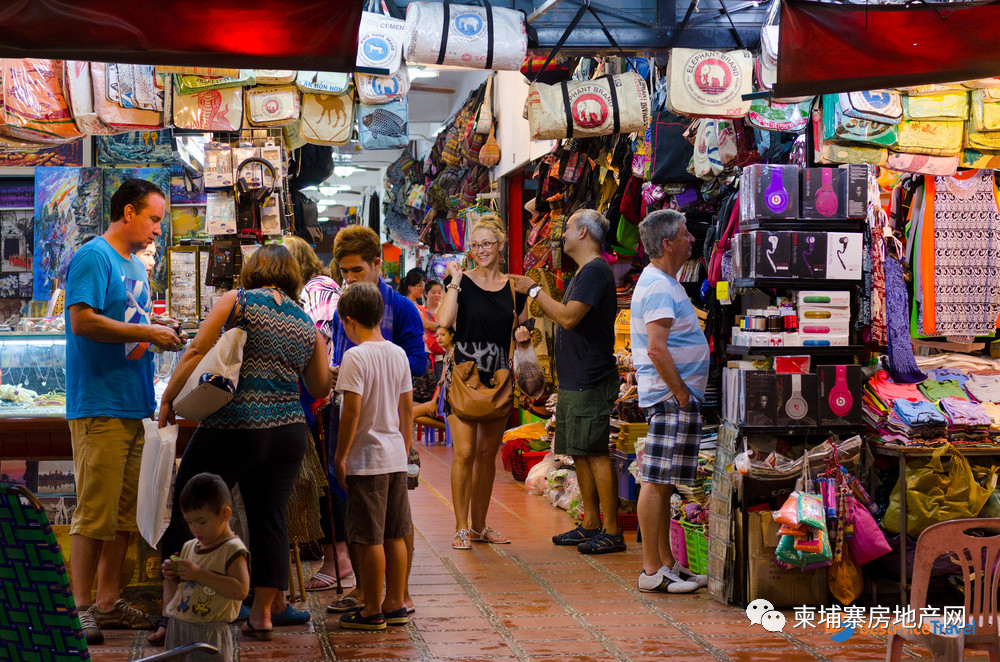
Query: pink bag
x=868, y=542
x=724, y=244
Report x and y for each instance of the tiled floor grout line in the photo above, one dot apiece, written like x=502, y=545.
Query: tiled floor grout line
x=318, y=612
x=138, y=645
x=596, y=632
x=653, y=607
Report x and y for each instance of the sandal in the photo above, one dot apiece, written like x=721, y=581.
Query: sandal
x=603, y=543
x=328, y=583
x=575, y=536
x=260, y=634
x=462, y=536
x=355, y=621
x=484, y=536
x=400, y=616
x=159, y=641
x=345, y=604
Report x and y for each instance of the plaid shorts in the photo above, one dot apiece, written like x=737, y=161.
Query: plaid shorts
x=673, y=442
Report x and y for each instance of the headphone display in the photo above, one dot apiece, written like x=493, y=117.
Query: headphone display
x=841, y=400
x=796, y=407
x=251, y=199
x=811, y=240
x=840, y=254
x=826, y=198
x=776, y=195
x=773, y=240
x=258, y=194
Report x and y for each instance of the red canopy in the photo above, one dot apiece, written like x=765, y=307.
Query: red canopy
x=275, y=34
x=832, y=47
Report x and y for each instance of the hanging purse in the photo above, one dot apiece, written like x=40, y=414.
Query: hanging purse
x=274, y=76
x=704, y=83
x=327, y=119
x=465, y=36
x=384, y=126
x=323, y=82
x=78, y=87
x=484, y=114
x=211, y=110
x=380, y=42
x=838, y=126
x=113, y=115
x=882, y=106
x=932, y=138
x=950, y=106
x=272, y=105
x=190, y=84
x=938, y=166
x=34, y=105
x=768, y=115
x=382, y=89
x=985, y=114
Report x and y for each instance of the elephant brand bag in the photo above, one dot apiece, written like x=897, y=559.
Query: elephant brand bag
x=709, y=83
x=327, y=119
x=382, y=89
x=384, y=126
x=582, y=109
x=380, y=43
x=211, y=110
x=459, y=35
x=272, y=105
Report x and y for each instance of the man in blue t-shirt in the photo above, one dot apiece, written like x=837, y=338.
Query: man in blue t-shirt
x=109, y=390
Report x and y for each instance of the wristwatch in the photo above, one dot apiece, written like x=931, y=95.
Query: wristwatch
x=533, y=292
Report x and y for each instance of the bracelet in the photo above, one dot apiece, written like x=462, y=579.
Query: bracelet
x=453, y=286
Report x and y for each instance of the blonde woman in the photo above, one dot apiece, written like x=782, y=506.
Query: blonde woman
x=481, y=306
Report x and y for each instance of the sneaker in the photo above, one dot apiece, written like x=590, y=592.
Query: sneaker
x=124, y=616
x=575, y=536
x=603, y=543
x=665, y=581
x=688, y=574
x=91, y=630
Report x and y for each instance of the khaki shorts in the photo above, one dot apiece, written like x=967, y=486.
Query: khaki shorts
x=583, y=419
x=106, y=456
x=378, y=508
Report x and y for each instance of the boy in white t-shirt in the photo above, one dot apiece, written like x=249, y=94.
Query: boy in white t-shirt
x=376, y=423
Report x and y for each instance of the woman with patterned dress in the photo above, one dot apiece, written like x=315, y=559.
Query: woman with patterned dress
x=257, y=440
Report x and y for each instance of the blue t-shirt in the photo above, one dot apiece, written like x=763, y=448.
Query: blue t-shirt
x=108, y=379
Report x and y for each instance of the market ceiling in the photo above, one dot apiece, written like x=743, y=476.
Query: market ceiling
x=319, y=35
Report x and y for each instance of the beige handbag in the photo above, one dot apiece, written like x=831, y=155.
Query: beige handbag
x=938, y=166
x=112, y=114
x=581, y=109
x=709, y=83
x=78, y=87
x=327, y=119
x=985, y=113
x=931, y=138
x=484, y=116
x=382, y=89
x=211, y=110
x=274, y=76
x=271, y=105
x=975, y=159
x=948, y=106
x=323, y=82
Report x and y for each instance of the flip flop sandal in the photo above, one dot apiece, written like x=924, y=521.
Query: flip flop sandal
x=346, y=604
x=397, y=617
x=164, y=622
x=329, y=583
x=484, y=536
x=355, y=621
x=260, y=634
x=462, y=535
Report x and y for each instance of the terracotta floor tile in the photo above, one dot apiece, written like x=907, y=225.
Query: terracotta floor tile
x=354, y=638
x=709, y=629
x=788, y=655
x=567, y=633
x=622, y=633
x=537, y=649
x=643, y=618
x=467, y=650
x=512, y=622
x=758, y=642
x=824, y=641
x=574, y=658
x=446, y=624
x=546, y=609
x=470, y=637
x=436, y=611
x=658, y=645
x=435, y=589
x=375, y=653
x=673, y=658
x=863, y=654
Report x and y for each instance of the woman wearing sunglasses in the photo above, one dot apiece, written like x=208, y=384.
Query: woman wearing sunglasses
x=481, y=306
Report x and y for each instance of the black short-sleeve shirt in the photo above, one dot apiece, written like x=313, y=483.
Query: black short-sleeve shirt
x=585, y=355
x=484, y=325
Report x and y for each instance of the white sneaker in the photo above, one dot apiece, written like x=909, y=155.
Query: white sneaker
x=665, y=581
x=686, y=573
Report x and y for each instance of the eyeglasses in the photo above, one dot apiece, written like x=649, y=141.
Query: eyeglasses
x=486, y=245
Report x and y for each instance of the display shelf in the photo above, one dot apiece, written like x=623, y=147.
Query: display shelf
x=795, y=283
x=802, y=225
x=743, y=350
x=17, y=209
x=802, y=429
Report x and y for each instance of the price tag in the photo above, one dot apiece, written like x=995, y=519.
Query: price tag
x=722, y=292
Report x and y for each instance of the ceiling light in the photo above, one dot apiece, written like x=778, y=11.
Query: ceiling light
x=331, y=190
x=421, y=73
x=346, y=171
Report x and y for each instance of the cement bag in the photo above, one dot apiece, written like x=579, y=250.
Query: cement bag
x=938, y=166
x=709, y=83
x=986, y=110
x=112, y=114
x=78, y=87
x=975, y=159
x=274, y=76
x=463, y=36
x=159, y=451
x=384, y=126
x=272, y=105
x=191, y=84
x=582, y=109
x=380, y=44
x=211, y=110
x=327, y=119
x=382, y=89
x=933, y=138
x=323, y=82
x=34, y=105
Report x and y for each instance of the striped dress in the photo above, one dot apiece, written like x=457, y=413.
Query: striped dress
x=281, y=339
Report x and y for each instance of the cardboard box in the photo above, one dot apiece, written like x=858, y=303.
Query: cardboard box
x=797, y=400
x=761, y=400
x=772, y=254
x=839, y=395
x=823, y=194
x=764, y=578
x=810, y=328
x=808, y=255
x=824, y=298
x=772, y=192
x=856, y=190
x=844, y=255
x=828, y=340
x=813, y=314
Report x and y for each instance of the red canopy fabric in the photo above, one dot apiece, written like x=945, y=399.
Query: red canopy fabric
x=274, y=34
x=829, y=47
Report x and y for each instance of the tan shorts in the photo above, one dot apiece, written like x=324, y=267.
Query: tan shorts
x=106, y=456
x=378, y=508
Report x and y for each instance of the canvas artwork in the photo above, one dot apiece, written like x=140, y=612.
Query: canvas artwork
x=70, y=154
x=187, y=185
x=15, y=472
x=187, y=223
x=67, y=215
x=135, y=148
x=56, y=477
x=113, y=178
x=17, y=233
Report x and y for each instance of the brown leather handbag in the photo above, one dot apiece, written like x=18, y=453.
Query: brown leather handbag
x=470, y=399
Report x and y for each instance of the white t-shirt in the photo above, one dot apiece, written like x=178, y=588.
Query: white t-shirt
x=379, y=373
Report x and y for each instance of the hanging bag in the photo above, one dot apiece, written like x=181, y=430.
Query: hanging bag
x=884, y=106
x=466, y=36
x=213, y=383
x=272, y=105
x=470, y=399
x=382, y=89
x=327, y=119
x=211, y=110
x=384, y=126
x=380, y=42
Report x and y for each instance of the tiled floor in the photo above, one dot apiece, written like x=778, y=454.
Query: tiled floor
x=529, y=601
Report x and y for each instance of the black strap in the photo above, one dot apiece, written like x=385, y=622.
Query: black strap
x=444, y=31
x=569, y=112
x=683, y=25
x=614, y=103
x=565, y=35
x=489, y=34
x=739, y=39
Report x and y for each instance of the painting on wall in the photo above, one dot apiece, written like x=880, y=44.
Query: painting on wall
x=70, y=154
x=135, y=148
x=113, y=178
x=187, y=223
x=67, y=215
x=17, y=233
x=187, y=185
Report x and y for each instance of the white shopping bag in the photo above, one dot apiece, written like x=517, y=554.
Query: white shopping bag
x=155, y=474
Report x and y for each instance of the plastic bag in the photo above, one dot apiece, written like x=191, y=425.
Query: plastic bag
x=936, y=494
x=528, y=372
x=788, y=514
x=811, y=511
x=535, y=482
x=787, y=553
x=158, y=454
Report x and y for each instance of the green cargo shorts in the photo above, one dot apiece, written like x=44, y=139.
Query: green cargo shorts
x=583, y=419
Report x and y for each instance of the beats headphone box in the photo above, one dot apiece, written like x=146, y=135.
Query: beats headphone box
x=772, y=254
x=823, y=194
x=839, y=394
x=808, y=255
x=844, y=254
x=797, y=400
x=772, y=192
x=761, y=400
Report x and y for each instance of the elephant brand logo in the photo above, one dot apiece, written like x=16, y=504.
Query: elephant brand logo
x=272, y=106
x=713, y=78
x=376, y=49
x=590, y=111
x=385, y=86
x=468, y=25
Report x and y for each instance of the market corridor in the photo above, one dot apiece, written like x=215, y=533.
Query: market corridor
x=527, y=601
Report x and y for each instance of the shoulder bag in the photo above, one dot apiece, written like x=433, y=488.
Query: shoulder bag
x=470, y=399
x=213, y=383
